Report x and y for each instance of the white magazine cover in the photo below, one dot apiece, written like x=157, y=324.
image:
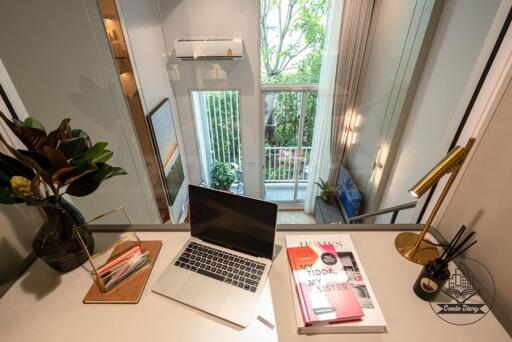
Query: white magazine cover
x=373, y=320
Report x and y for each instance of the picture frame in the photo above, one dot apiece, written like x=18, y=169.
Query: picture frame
x=165, y=144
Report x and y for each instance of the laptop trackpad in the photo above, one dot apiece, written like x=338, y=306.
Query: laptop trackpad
x=203, y=293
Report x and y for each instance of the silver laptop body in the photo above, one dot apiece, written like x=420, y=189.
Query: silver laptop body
x=213, y=272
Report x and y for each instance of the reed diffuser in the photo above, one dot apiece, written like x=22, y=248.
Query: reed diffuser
x=435, y=273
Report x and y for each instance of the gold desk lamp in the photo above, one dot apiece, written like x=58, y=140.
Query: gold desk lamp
x=414, y=247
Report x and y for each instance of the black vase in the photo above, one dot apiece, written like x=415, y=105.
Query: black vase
x=56, y=242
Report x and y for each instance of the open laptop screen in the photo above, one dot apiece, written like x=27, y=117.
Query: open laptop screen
x=240, y=223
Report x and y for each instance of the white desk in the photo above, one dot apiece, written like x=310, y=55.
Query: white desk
x=43, y=306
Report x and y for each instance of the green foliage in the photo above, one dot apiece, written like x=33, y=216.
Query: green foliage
x=222, y=112
x=87, y=184
x=222, y=175
x=62, y=159
x=33, y=123
x=327, y=190
x=286, y=116
x=292, y=39
x=323, y=185
x=279, y=172
x=291, y=53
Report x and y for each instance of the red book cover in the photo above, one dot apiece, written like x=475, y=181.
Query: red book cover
x=323, y=287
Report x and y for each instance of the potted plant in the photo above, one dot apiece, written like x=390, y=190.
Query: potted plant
x=63, y=161
x=327, y=192
x=222, y=175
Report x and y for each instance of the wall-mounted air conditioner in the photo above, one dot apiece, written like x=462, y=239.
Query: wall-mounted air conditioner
x=209, y=48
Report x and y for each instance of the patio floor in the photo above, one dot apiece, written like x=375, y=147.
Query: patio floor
x=284, y=192
x=278, y=192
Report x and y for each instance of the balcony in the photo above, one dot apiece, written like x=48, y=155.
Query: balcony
x=286, y=171
x=289, y=118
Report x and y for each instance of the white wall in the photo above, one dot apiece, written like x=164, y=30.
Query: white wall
x=458, y=52
x=58, y=57
x=220, y=18
x=149, y=56
x=18, y=223
x=482, y=201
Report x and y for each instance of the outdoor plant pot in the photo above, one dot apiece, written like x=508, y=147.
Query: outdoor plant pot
x=326, y=195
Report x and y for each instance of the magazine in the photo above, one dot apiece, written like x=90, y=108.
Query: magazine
x=325, y=293
x=373, y=319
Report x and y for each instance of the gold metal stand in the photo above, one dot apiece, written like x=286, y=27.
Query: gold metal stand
x=414, y=247
x=133, y=237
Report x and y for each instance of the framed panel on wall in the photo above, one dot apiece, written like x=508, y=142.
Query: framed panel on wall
x=165, y=142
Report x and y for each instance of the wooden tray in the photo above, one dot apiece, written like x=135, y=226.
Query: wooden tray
x=130, y=291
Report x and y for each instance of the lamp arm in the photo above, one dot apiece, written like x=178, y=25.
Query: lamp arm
x=442, y=197
x=436, y=208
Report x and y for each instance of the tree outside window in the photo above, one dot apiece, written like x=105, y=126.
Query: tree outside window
x=292, y=41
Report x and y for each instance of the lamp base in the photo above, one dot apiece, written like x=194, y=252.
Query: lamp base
x=404, y=244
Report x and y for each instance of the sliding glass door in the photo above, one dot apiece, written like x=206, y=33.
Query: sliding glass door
x=289, y=121
x=292, y=42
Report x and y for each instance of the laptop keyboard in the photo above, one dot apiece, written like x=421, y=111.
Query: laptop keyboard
x=226, y=267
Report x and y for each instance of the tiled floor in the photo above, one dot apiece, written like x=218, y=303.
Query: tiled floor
x=294, y=217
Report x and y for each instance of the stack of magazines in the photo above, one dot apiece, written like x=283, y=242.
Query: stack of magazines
x=123, y=266
x=323, y=304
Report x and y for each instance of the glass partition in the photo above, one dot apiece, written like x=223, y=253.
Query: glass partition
x=260, y=125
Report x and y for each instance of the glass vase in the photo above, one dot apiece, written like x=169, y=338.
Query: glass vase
x=56, y=242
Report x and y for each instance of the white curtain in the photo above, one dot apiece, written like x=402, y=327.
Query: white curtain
x=320, y=160
x=354, y=34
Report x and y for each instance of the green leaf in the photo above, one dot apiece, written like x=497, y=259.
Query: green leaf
x=33, y=123
x=90, y=182
x=78, y=133
x=94, y=152
x=74, y=148
x=13, y=167
x=103, y=156
x=117, y=171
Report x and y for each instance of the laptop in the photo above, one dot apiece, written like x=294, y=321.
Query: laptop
x=223, y=267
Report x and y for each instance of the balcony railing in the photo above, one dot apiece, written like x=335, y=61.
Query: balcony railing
x=281, y=163
x=218, y=125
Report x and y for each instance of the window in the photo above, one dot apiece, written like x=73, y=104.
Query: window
x=292, y=41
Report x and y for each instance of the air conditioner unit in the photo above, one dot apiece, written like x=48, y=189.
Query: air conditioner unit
x=208, y=48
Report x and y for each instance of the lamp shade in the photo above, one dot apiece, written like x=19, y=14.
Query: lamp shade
x=445, y=166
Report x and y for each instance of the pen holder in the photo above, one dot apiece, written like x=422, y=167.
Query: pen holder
x=431, y=280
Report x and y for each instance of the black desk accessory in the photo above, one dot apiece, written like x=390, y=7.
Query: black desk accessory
x=435, y=273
